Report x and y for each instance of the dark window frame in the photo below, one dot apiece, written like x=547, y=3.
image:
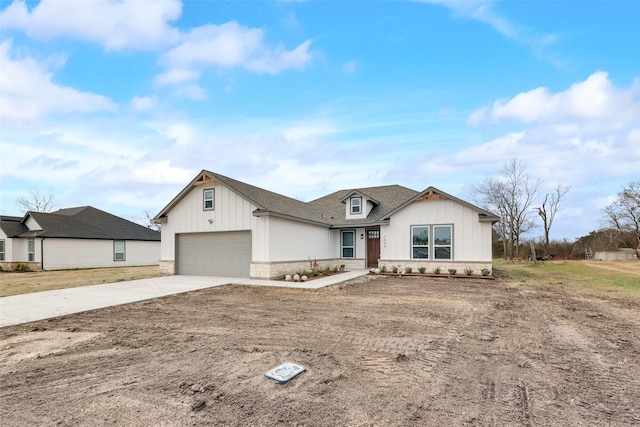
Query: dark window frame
x=432, y=250
x=356, y=209
x=211, y=200
x=352, y=246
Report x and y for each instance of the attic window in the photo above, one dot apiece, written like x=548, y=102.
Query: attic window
x=356, y=205
x=208, y=199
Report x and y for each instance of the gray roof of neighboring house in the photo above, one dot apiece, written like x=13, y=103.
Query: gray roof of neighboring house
x=329, y=210
x=85, y=222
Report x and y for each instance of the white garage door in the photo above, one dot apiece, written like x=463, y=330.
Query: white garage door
x=214, y=254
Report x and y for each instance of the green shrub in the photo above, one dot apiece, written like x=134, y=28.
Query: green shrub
x=452, y=271
x=486, y=272
x=394, y=269
x=436, y=270
x=408, y=270
x=468, y=271
x=422, y=270
x=383, y=269
x=22, y=267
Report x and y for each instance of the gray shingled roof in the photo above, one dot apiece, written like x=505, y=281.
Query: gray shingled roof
x=329, y=210
x=87, y=222
x=12, y=226
x=388, y=197
x=268, y=201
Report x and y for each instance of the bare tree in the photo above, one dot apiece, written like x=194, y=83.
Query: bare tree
x=510, y=196
x=624, y=213
x=154, y=225
x=547, y=211
x=38, y=202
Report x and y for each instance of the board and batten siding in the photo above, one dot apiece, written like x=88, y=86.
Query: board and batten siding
x=291, y=240
x=471, y=238
x=231, y=213
x=60, y=254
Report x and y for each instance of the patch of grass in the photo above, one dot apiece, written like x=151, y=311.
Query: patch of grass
x=630, y=284
x=339, y=374
x=12, y=283
x=594, y=277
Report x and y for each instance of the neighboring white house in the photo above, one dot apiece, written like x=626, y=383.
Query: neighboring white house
x=220, y=226
x=83, y=237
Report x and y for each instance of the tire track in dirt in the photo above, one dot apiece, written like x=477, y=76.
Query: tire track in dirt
x=577, y=350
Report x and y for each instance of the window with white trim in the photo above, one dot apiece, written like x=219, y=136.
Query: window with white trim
x=31, y=249
x=119, y=250
x=348, y=246
x=442, y=242
x=208, y=199
x=356, y=205
x=1, y=250
x=432, y=242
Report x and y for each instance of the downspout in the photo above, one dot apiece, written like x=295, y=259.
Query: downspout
x=42, y=254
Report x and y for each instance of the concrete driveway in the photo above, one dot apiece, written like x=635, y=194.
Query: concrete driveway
x=18, y=309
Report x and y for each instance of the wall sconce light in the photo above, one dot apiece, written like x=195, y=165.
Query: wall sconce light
x=210, y=221
x=361, y=236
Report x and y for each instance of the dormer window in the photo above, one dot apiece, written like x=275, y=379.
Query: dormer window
x=208, y=200
x=356, y=205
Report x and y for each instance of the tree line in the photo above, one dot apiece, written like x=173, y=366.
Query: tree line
x=511, y=196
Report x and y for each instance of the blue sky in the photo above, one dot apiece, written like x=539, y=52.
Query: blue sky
x=119, y=104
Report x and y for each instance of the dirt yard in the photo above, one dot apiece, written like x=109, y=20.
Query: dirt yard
x=383, y=351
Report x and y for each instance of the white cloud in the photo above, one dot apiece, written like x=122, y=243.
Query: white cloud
x=593, y=99
x=143, y=103
x=307, y=131
x=27, y=91
x=141, y=24
x=228, y=45
x=181, y=132
x=140, y=172
x=176, y=75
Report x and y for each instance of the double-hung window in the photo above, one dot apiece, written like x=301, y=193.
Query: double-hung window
x=208, y=199
x=119, y=250
x=442, y=242
x=420, y=242
x=31, y=249
x=356, y=205
x=348, y=244
x=432, y=242
x=1, y=250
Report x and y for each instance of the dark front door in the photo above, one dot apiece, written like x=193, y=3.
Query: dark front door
x=373, y=248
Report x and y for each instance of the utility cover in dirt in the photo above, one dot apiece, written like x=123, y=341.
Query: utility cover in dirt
x=285, y=372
